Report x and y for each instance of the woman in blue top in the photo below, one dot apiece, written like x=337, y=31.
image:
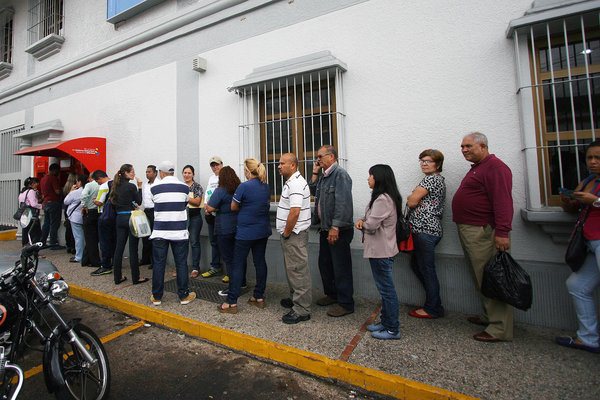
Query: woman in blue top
x=252, y=201
x=226, y=220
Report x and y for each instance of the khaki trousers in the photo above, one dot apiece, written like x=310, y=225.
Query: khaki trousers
x=295, y=257
x=479, y=247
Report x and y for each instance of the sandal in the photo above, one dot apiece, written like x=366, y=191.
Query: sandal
x=230, y=309
x=194, y=273
x=260, y=303
x=143, y=280
x=123, y=279
x=420, y=313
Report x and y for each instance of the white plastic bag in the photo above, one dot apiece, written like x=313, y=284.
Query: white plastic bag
x=139, y=224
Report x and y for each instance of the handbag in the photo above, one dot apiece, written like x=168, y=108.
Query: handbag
x=22, y=207
x=407, y=245
x=577, y=248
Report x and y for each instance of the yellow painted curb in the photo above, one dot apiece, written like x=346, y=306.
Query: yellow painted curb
x=369, y=379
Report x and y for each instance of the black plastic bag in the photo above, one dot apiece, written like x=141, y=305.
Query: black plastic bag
x=506, y=281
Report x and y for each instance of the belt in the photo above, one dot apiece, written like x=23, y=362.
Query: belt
x=123, y=212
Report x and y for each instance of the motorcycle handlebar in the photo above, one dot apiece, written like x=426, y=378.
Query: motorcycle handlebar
x=31, y=249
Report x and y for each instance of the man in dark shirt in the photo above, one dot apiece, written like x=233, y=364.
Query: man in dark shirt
x=482, y=209
x=333, y=216
x=52, y=205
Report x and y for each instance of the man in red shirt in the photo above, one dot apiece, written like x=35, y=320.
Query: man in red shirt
x=52, y=205
x=482, y=209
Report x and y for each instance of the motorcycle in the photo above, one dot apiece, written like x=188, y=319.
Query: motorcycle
x=75, y=363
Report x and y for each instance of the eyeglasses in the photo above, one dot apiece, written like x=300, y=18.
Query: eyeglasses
x=319, y=156
x=426, y=162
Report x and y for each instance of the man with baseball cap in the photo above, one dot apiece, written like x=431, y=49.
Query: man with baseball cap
x=170, y=198
x=216, y=163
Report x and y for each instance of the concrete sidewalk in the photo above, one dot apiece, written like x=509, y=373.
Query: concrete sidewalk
x=435, y=359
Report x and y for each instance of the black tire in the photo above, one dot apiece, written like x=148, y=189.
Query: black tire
x=83, y=383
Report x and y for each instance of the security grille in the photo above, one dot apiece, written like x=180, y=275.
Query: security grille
x=564, y=58
x=6, y=34
x=296, y=114
x=10, y=170
x=46, y=17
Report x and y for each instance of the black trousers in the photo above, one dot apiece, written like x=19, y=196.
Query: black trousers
x=146, y=242
x=335, y=266
x=34, y=230
x=90, y=233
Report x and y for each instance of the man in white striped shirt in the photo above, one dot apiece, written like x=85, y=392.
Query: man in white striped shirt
x=170, y=198
x=293, y=221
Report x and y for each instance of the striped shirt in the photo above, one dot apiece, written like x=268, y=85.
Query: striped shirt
x=170, y=198
x=295, y=193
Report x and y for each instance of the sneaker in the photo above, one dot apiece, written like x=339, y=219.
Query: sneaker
x=224, y=292
x=155, y=301
x=384, y=334
x=375, y=327
x=286, y=303
x=293, y=318
x=102, y=271
x=188, y=299
x=225, y=279
x=211, y=272
x=575, y=343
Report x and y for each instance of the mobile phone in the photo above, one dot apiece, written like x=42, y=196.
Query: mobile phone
x=566, y=192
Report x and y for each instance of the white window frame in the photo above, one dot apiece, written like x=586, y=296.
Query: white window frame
x=317, y=73
x=46, y=18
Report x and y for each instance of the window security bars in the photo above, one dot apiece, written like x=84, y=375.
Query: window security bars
x=6, y=35
x=46, y=17
x=564, y=59
x=10, y=169
x=9, y=163
x=296, y=114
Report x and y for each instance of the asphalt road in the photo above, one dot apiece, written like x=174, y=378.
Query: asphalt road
x=149, y=362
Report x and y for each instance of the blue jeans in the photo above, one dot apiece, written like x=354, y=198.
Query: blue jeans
x=123, y=235
x=226, y=245
x=581, y=286
x=237, y=274
x=382, y=274
x=215, y=261
x=52, y=216
x=180, y=249
x=194, y=227
x=423, y=265
x=107, y=236
x=79, y=240
x=335, y=266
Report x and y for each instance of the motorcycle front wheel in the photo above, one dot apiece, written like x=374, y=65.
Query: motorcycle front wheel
x=83, y=381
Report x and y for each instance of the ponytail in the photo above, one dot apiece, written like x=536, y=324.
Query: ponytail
x=256, y=169
x=119, y=180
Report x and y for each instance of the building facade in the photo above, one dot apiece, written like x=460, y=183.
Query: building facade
x=382, y=80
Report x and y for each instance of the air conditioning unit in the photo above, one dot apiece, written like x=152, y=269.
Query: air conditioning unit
x=199, y=64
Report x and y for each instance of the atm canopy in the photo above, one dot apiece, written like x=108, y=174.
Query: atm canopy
x=90, y=151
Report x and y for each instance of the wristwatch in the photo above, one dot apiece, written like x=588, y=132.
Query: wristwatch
x=596, y=203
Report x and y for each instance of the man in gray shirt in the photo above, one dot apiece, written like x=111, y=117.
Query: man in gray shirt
x=91, y=255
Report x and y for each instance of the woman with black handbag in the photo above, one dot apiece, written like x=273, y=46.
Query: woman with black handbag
x=32, y=199
x=585, y=278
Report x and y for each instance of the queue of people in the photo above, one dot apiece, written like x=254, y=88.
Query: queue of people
x=238, y=221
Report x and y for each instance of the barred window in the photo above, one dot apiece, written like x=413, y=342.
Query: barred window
x=6, y=35
x=9, y=145
x=564, y=62
x=10, y=171
x=297, y=114
x=46, y=17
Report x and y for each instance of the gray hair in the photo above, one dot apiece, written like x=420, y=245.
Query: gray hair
x=478, y=137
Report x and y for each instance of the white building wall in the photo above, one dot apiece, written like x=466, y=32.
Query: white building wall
x=411, y=84
x=136, y=115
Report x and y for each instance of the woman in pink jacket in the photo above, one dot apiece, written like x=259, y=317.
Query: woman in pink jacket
x=379, y=237
x=30, y=195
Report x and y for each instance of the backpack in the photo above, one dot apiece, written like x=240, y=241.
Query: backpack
x=108, y=214
x=22, y=207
